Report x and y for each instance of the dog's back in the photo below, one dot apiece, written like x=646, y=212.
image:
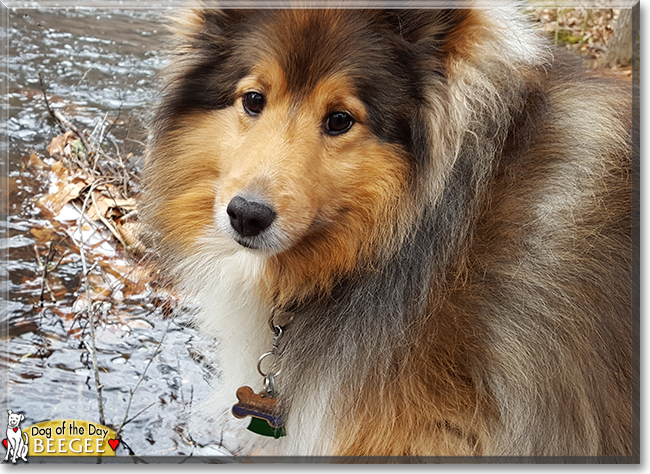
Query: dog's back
x=548, y=276
x=526, y=347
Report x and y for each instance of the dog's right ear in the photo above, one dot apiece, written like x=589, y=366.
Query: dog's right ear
x=203, y=21
x=10, y=412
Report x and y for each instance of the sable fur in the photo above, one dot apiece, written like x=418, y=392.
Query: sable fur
x=455, y=277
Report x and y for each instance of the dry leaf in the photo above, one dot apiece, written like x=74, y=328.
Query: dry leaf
x=126, y=204
x=54, y=202
x=99, y=206
x=36, y=162
x=130, y=231
x=58, y=143
x=44, y=234
x=59, y=168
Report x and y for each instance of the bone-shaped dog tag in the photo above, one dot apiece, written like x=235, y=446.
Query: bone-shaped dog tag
x=262, y=409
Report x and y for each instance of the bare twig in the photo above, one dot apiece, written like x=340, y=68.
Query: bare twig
x=63, y=122
x=129, y=215
x=117, y=151
x=128, y=134
x=45, y=271
x=139, y=142
x=76, y=317
x=83, y=77
x=59, y=262
x=97, y=131
x=185, y=430
x=119, y=113
x=132, y=391
x=89, y=303
x=138, y=414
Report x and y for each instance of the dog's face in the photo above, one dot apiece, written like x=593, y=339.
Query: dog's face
x=293, y=134
x=295, y=164
x=14, y=419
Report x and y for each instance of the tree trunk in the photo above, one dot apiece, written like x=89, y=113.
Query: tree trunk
x=619, y=49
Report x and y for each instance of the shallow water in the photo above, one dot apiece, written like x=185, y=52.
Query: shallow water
x=98, y=66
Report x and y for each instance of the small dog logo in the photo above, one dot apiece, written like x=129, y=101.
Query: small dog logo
x=15, y=444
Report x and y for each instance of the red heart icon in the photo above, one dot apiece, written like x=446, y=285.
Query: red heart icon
x=4, y=441
x=113, y=443
x=15, y=429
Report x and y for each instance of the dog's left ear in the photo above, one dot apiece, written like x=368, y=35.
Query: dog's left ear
x=417, y=26
x=22, y=417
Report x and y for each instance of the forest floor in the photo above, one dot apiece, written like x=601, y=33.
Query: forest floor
x=585, y=31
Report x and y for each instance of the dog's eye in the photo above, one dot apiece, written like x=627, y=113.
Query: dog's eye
x=253, y=103
x=338, y=123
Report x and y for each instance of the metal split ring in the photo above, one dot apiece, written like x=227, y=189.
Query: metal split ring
x=259, y=364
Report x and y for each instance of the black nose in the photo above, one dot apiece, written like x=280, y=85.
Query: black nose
x=249, y=218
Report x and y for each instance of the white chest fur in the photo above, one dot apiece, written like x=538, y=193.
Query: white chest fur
x=225, y=280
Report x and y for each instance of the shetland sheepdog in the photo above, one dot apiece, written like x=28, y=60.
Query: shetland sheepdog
x=433, y=207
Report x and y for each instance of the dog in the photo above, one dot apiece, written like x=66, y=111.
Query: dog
x=422, y=216
x=17, y=446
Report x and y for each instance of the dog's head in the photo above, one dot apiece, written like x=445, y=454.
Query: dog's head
x=14, y=419
x=304, y=135
x=279, y=125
